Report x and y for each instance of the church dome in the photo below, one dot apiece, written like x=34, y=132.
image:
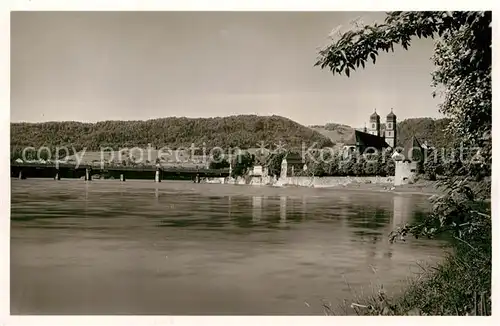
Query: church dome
x=374, y=116
x=391, y=115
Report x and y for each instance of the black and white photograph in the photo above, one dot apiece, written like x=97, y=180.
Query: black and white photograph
x=250, y=163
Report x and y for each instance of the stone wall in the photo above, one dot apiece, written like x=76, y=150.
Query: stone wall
x=214, y=180
x=315, y=182
x=319, y=182
x=263, y=181
x=252, y=180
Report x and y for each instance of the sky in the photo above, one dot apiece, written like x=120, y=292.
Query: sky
x=94, y=66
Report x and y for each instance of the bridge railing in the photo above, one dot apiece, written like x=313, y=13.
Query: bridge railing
x=121, y=167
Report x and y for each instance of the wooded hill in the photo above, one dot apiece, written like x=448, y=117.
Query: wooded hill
x=243, y=131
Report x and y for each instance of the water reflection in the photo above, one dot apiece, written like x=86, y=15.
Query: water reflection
x=283, y=200
x=256, y=208
x=86, y=201
x=402, y=210
x=304, y=207
x=257, y=250
x=369, y=221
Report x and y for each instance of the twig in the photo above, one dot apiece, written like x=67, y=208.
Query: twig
x=482, y=214
x=328, y=308
x=475, y=304
x=465, y=243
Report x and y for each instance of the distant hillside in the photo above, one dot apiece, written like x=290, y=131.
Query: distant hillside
x=337, y=133
x=244, y=131
x=428, y=129
x=425, y=129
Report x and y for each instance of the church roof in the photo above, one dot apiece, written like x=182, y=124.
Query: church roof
x=368, y=140
x=350, y=139
x=412, y=150
x=391, y=115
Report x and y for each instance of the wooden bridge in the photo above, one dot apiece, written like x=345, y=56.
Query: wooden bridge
x=86, y=171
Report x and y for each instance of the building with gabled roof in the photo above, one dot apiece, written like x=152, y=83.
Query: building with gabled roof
x=371, y=137
x=365, y=141
x=412, y=150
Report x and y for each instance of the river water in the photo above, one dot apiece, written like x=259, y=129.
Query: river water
x=178, y=248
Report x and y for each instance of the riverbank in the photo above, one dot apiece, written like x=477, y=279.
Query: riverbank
x=420, y=187
x=426, y=188
x=460, y=285
x=372, y=184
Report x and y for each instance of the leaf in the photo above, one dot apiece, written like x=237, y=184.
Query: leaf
x=374, y=58
x=347, y=71
x=343, y=54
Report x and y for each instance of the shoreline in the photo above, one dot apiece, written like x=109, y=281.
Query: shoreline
x=420, y=188
x=427, y=188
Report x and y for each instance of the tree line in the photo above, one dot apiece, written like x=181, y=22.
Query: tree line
x=431, y=163
x=243, y=131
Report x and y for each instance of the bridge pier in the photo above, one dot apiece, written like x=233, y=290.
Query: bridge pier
x=21, y=175
x=122, y=177
x=88, y=175
x=57, y=176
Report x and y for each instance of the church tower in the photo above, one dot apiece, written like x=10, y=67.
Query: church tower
x=390, y=130
x=374, y=127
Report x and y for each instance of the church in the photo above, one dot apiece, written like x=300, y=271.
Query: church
x=372, y=137
x=406, y=158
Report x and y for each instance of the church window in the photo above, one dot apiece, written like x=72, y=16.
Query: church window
x=389, y=125
x=373, y=126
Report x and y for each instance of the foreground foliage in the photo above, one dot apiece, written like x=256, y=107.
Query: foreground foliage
x=242, y=164
x=462, y=57
x=463, y=70
x=457, y=286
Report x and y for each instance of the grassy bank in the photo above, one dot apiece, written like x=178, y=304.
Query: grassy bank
x=460, y=285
